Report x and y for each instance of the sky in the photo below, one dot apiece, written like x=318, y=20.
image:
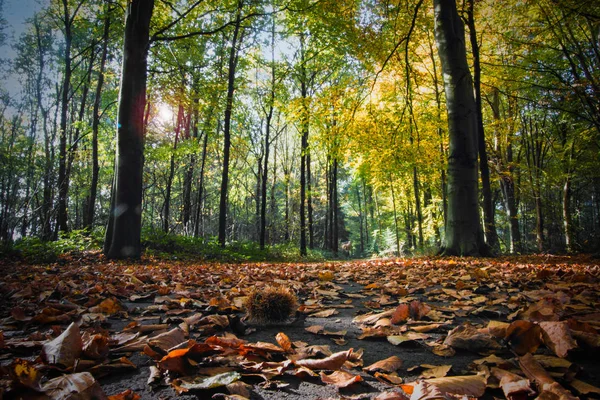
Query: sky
x=16, y=13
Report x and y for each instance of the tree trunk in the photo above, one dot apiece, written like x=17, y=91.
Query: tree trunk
x=169, y=186
x=464, y=235
x=125, y=221
x=63, y=183
x=335, y=227
x=491, y=235
x=227, y=126
x=91, y=201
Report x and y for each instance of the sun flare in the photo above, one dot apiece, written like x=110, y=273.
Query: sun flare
x=164, y=113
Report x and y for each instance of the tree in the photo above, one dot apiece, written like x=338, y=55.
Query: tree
x=125, y=222
x=464, y=235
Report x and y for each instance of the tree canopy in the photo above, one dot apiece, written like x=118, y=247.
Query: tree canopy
x=309, y=123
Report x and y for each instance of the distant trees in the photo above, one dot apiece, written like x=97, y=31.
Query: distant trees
x=306, y=123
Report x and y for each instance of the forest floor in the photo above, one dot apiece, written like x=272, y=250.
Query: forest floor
x=382, y=329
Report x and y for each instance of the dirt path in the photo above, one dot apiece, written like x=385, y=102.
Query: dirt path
x=379, y=308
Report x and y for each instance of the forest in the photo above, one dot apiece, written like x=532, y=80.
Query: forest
x=300, y=199
x=298, y=124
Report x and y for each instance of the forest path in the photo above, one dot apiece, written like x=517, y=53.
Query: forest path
x=440, y=316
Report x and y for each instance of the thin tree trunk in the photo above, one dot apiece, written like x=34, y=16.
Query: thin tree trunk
x=91, y=202
x=169, y=186
x=233, y=58
x=63, y=183
x=488, y=210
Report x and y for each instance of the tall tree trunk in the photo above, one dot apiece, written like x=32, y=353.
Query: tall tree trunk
x=464, y=235
x=489, y=226
x=125, y=222
x=396, y=227
x=233, y=58
x=335, y=227
x=304, y=158
x=171, y=175
x=360, y=220
x=63, y=182
x=91, y=201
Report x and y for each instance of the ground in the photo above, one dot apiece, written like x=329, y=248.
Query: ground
x=454, y=326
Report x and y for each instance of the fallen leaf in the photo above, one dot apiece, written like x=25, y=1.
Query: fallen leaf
x=436, y=371
x=407, y=337
x=333, y=362
x=466, y=337
x=316, y=329
x=515, y=387
x=81, y=385
x=584, y=388
x=390, y=364
x=557, y=337
x=284, y=341
x=324, y=313
x=340, y=379
x=65, y=348
x=534, y=371
x=183, y=385
x=393, y=378
x=126, y=395
x=524, y=336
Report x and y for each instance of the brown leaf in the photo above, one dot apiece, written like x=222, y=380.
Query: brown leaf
x=108, y=306
x=467, y=337
x=284, y=341
x=557, y=336
x=95, y=346
x=418, y=310
x=584, y=388
x=316, y=329
x=333, y=362
x=435, y=371
x=401, y=314
x=534, y=371
x=391, y=396
x=341, y=379
x=514, y=386
x=126, y=395
x=80, y=386
x=390, y=364
x=64, y=349
x=325, y=313
x=392, y=378
x=524, y=336
x=465, y=385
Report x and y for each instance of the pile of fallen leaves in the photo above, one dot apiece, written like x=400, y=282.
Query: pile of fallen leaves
x=66, y=327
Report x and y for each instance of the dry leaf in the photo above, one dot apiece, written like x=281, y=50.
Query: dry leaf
x=466, y=337
x=514, y=386
x=64, y=349
x=435, y=371
x=390, y=364
x=534, y=371
x=341, y=379
x=524, y=336
x=81, y=384
x=557, y=337
x=284, y=341
x=333, y=362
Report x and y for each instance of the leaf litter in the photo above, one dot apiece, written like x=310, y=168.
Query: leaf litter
x=527, y=326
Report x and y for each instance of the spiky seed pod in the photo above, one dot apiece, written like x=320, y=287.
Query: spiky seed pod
x=270, y=304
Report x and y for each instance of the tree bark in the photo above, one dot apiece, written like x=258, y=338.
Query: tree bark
x=227, y=126
x=63, y=182
x=125, y=222
x=91, y=201
x=491, y=235
x=464, y=235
